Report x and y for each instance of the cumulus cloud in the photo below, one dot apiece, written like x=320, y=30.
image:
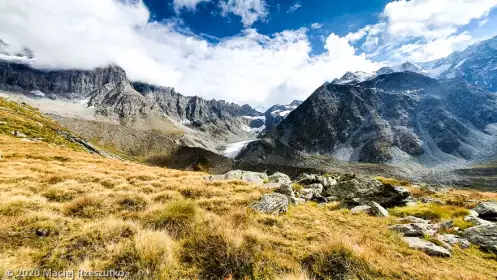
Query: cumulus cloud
x=247, y=68
x=422, y=29
x=249, y=10
x=189, y=4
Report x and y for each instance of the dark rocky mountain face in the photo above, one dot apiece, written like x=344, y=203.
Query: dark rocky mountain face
x=71, y=84
x=400, y=118
x=277, y=113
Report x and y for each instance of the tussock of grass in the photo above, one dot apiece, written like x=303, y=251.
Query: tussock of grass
x=131, y=202
x=87, y=207
x=88, y=242
x=338, y=261
x=217, y=254
x=177, y=217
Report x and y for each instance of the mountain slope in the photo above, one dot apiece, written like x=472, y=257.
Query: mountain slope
x=108, y=95
x=396, y=118
x=477, y=65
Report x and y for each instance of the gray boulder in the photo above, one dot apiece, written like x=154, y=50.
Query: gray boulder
x=279, y=178
x=18, y=134
x=308, y=179
x=412, y=219
x=307, y=194
x=378, y=210
x=366, y=209
x=367, y=189
x=286, y=190
x=415, y=229
x=247, y=176
x=317, y=188
x=477, y=221
x=450, y=240
x=296, y=200
x=487, y=210
x=484, y=236
x=273, y=203
x=427, y=247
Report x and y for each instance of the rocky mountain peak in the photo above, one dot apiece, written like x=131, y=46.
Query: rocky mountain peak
x=399, y=118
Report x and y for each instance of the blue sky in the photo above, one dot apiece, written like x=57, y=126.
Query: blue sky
x=340, y=17
x=259, y=52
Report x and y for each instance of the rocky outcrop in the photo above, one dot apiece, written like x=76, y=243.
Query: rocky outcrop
x=415, y=229
x=427, y=247
x=216, y=117
x=360, y=189
x=87, y=145
x=273, y=203
x=70, y=84
x=450, y=240
x=487, y=210
x=279, y=178
x=484, y=236
x=247, y=176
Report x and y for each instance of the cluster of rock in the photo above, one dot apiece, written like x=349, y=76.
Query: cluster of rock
x=351, y=191
x=370, y=196
x=483, y=234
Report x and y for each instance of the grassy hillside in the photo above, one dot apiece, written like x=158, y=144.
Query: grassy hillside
x=61, y=209
x=15, y=117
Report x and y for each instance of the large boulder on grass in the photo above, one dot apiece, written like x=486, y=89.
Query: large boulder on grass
x=359, y=189
x=415, y=229
x=484, y=236
x=427, y=247
x=279, y=178
x=273, y=203
x=487, y=210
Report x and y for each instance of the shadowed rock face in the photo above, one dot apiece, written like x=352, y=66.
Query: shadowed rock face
x=71, y=84
x=392, y=117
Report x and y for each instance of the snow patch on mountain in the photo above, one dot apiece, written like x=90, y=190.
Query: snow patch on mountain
x=232, y=150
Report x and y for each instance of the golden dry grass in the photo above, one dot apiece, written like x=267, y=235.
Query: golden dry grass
x=63, y=209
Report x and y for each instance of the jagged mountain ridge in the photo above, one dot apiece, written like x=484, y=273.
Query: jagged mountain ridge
x=276, y=113
x=395, y=118
x=135, y=104
x=477, y=64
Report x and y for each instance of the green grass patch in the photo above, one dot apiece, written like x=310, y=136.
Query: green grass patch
x=430, y=211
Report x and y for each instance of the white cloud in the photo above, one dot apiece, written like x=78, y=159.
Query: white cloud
x=249, y=10
x=247, y=68
x=316, y=25
x=433, y=18
x=421, y=29
x=189, y=4
x=294, y=8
